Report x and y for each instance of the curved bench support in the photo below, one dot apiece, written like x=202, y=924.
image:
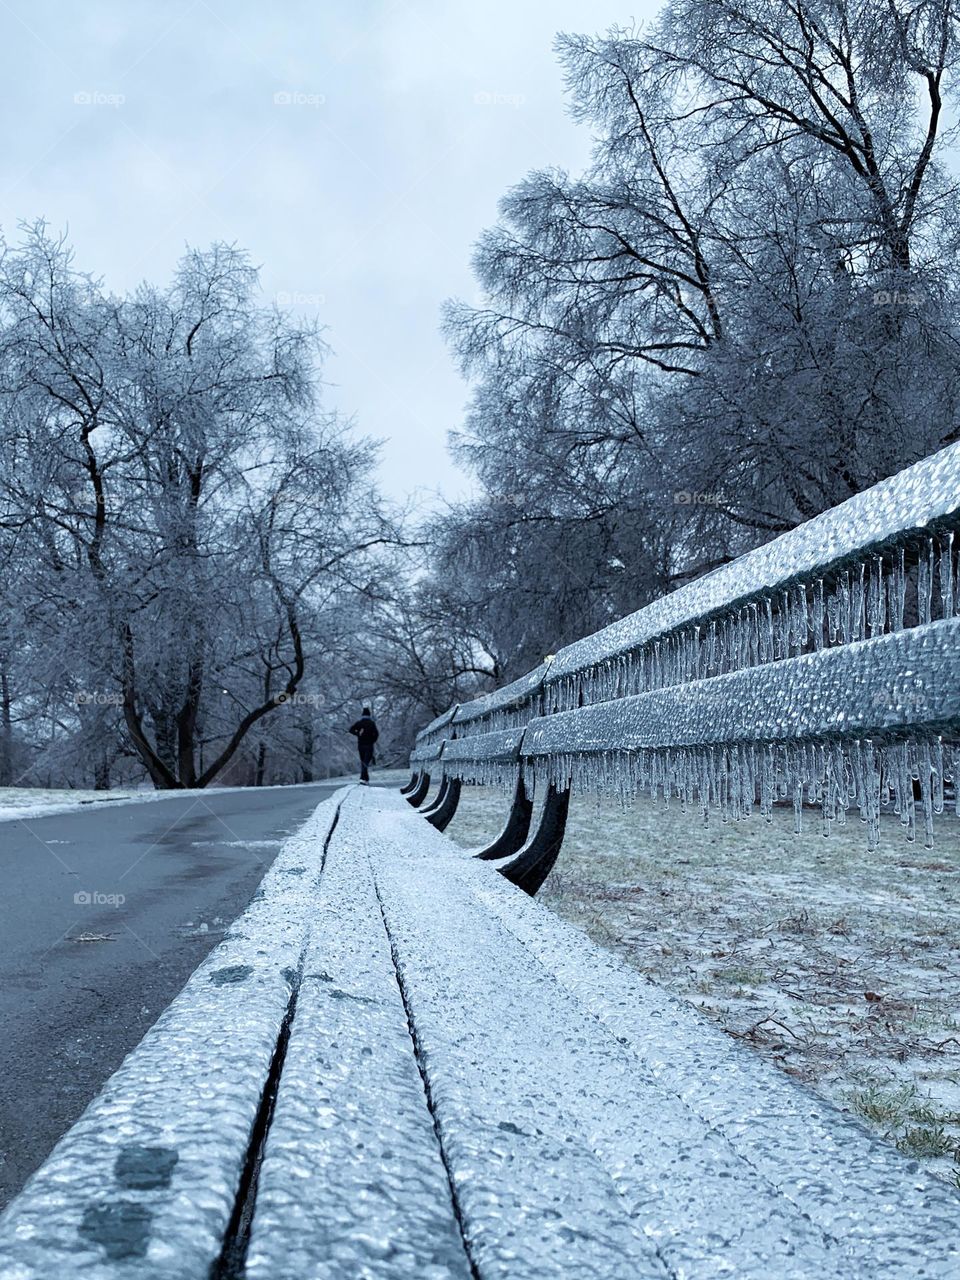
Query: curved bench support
x=534, y=862
x=442, y=812
x=517, y=828
x=419, y=792
x=409, y=786
x=438, y=799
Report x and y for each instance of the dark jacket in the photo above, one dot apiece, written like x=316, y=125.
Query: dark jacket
x=365, y=730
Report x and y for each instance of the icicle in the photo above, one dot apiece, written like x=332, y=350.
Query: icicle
x=946, y=575
x=937, y=781
x=858, y=604
x=833, y=615
x=925, y=584
x=828, y=797
x=925, y=773
x=870, y=796
x=818, y=614
x=846, y=623
x=875, y=609
x=803, y=620
x=898, y=590
x=766, y=632
x=903, y=781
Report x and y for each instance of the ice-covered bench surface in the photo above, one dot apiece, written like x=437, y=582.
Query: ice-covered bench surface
x=458, y=1084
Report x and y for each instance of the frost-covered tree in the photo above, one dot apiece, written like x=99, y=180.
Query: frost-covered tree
x=739, y=315
x=186, y=514
x=418, y=644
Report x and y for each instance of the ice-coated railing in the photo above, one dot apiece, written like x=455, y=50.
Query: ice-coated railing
x=506, y=708
x=434, y=731
x=853, y=726
x=885, y=559
x=821, y=668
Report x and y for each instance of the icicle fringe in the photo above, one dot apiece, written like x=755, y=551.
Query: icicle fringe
x=862, y=775
x=483, y=773
x=868, y=599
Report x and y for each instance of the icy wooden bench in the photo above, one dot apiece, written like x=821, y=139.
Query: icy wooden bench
x=398, y=1064
x=822, y=668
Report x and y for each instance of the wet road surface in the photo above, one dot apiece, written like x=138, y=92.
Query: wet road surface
x=104, y=914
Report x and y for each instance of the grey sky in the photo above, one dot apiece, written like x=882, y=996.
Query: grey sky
x=356, y=148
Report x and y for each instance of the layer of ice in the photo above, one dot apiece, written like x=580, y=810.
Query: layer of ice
x=424, y=753
x=470, y=1087
x=575, y=1143
x=905, y=681
x=856, y=725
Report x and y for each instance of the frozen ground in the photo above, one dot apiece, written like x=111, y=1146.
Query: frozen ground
x=841, y=967
x=378, y=777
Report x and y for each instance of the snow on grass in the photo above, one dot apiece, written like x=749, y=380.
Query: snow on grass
x=840, y=966
x=41, y=802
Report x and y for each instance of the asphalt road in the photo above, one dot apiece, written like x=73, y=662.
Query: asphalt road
x=83, y=974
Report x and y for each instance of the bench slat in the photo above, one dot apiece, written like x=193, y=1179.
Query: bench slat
x=352, y=1182
x=426, y=754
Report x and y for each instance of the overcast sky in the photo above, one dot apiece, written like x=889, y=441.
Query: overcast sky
x=356, y=148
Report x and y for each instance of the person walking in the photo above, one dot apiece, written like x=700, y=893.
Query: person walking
x=366, y=733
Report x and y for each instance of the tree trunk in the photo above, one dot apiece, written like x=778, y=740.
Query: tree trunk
x=101, y=776
x=307, y=751
x=6, y=727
